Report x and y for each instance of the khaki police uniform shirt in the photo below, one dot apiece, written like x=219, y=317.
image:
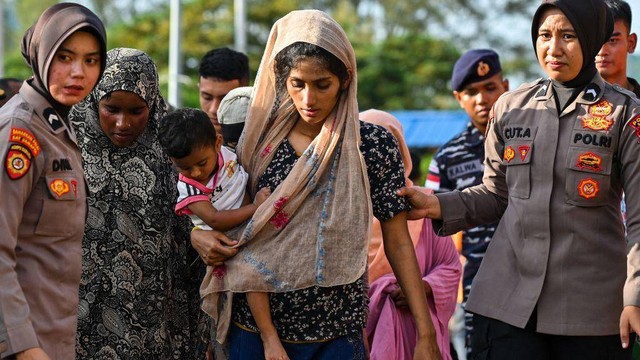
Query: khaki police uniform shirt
x=42, y=216
x=557, y=183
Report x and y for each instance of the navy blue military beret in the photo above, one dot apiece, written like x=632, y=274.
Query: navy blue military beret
x=473, y=66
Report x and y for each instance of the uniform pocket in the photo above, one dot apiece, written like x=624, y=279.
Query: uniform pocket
x=517, y=158
x=61, y=203
x=51, y=221
x=588, y=176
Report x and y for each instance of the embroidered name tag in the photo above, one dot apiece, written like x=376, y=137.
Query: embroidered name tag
x=464, y=168
x=61, y=165
x=517, y=132
x=592, y=139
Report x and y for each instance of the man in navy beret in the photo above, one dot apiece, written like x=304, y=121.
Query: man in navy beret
x=477, y=83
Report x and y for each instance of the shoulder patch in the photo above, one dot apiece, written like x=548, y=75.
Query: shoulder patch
x=17, y=162
x=635, y=124
x=626, y=92
x=26, y=138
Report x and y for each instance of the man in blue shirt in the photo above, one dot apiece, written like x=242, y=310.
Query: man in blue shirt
x=477, y=82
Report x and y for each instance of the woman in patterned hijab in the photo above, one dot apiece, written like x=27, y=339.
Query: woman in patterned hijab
x=135, y=292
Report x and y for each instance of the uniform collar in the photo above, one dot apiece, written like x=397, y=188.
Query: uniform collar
x=45, y=112
x=635, y=85
x=590, y=95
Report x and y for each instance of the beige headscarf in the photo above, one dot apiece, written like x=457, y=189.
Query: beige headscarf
x=314, y=229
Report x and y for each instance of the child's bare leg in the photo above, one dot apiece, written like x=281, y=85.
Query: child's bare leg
x=259, y=305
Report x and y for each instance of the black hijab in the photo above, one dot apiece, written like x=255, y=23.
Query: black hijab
x=593, y=24
x=41, y=41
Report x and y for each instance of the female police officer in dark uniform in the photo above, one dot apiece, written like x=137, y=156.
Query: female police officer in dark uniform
x=559, y=152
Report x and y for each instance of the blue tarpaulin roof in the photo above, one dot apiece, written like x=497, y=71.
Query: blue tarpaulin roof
x=430, y=128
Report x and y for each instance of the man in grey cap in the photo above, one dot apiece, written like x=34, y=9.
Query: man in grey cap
x=477, y=82
x=232, y=113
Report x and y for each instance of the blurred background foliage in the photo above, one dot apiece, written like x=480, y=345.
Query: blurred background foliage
x=405, y=48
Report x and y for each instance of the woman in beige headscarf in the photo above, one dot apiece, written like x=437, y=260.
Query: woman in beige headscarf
x=328, y=173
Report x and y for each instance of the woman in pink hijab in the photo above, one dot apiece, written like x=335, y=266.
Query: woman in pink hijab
x=391, y=331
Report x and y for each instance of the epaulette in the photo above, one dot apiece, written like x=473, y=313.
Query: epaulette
x=626, y=92
x=529, y=85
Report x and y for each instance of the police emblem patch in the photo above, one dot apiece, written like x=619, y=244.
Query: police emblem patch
x=523, y=151
x=588, y=188
x=589, y=161
x=596, y=123
x=483, y=68
x=59, y=187
x=601, y=109
x=18, y=161
x=509, y=153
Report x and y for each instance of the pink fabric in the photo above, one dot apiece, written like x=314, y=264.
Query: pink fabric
x=391, y=331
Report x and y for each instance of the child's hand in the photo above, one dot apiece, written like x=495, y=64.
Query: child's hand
x=262, y=196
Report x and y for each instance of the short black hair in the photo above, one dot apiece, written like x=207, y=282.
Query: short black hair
x=183, y=130
x=620, y=10
x=225, y=64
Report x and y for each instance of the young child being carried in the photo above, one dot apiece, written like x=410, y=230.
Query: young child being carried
x=211, y=188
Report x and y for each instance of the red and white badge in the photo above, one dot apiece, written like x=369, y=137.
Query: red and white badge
x=523, y=151
x=588, y=188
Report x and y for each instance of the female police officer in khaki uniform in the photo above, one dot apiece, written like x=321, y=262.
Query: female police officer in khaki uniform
x=558, y=154
x=43, y=207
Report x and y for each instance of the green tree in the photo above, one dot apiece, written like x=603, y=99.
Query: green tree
x=405, y=48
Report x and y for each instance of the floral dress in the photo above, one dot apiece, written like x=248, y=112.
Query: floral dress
x=324, y=313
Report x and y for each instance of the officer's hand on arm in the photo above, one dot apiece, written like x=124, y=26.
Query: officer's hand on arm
x=32, y=354
x=213, y=246
x=423, y=203
x=629, y=321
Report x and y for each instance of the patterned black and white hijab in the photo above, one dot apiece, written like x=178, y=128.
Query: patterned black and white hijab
x=133, y=240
